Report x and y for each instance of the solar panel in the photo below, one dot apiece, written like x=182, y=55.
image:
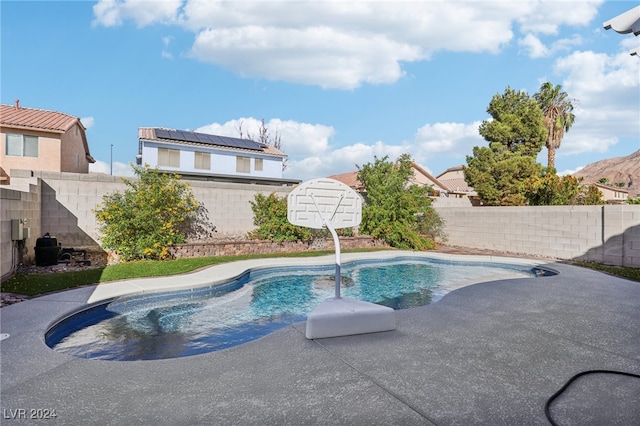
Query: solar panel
x=162, y=133
x=191, y=136
x=175, y=135
x=185, y=136
x=203, y=138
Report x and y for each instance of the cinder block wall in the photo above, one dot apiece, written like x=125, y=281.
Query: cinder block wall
x=229, y=205
x=607, y=234
x=62, y=204
x=18, y=205
x=68, y=201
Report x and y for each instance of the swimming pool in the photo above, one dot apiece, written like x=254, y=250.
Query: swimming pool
x=204, y=319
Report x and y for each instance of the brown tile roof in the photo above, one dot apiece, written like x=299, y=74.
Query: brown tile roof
x=429, y=176
x=451, y=169
x=38, y=119
x=456, y=184
x=350, y=179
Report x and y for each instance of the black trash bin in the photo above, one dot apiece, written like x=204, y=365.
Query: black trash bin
x=47, y=250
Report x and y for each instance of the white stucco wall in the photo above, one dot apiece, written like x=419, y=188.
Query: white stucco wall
x=223, y=162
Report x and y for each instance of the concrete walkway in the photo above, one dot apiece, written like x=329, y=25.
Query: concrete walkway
x=490, y=353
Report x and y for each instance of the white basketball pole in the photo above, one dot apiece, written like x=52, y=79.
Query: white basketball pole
x=336, y=240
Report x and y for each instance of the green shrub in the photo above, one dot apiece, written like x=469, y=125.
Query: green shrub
x=395, y=210
x=270, y=216
x=155, y=211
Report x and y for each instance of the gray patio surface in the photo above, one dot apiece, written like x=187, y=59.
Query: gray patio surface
x=491, y=353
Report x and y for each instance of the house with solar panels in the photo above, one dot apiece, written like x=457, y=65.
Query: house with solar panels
x=202, y=156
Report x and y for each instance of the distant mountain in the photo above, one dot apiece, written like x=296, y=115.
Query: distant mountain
x=619, y=169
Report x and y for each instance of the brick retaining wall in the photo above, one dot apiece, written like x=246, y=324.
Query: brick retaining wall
x=244, y=247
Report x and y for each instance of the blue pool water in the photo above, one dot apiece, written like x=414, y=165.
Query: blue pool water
x=199, y=320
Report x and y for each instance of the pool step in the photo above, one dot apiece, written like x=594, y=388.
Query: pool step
x=346, y=317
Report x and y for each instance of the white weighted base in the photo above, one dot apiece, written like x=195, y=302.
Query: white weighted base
x=346, y=316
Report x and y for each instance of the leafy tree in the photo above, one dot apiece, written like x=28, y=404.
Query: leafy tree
x=516, y=135
x=395, y=210
x=517, y=123
x=590, y=196
x=270, y=217
x=549, y=189
x=633, y=200
x=558, y=116
x=155, y=211
x=499, y=176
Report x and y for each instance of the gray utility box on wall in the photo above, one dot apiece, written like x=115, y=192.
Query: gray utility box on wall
x=19, y=230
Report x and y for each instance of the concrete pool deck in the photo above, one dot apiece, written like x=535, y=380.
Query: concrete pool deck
x=490, y=353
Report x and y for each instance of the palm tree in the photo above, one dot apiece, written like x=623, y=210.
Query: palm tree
x=558, y=117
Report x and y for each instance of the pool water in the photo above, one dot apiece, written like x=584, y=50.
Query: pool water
x=200, y=320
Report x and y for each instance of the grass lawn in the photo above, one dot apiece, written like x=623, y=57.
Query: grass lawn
x=630, y=273
x=37, y=284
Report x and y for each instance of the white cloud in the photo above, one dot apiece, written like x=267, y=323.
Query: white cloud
x=309, y=147
x=449, y=139
x=312, y=153
x=87, y=122
x=605, y=89
x=337, y=44
x=298, y=139
x=533, y=47
x=320, y=55
x=119, y=169
x=166, y=42
x=110, y=13
x=570, y=171
x=546, y=17
x=342, y=160
x=629, y=43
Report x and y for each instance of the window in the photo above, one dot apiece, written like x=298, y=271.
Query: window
x=243, y=164
x=202, y=160
x=258, y=165
x=22, y=145
x=168, y=157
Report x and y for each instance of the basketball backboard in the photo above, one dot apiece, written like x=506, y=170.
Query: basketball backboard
x=324, y=199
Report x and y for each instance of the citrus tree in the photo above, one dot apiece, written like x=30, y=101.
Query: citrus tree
x=156, y=211
x=549, y=189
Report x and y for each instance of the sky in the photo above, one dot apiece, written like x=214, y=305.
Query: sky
x=340, y=83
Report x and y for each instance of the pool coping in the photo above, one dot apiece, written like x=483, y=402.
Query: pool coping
x=224, y=272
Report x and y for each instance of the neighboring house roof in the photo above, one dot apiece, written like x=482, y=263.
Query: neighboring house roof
x=456, y=184
x=350, y=179
x=18, y=117
x=30, y=118
x=185, y=137
x=609, y=187
x=458, y=168
x=430, y=177
x=453, y=178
